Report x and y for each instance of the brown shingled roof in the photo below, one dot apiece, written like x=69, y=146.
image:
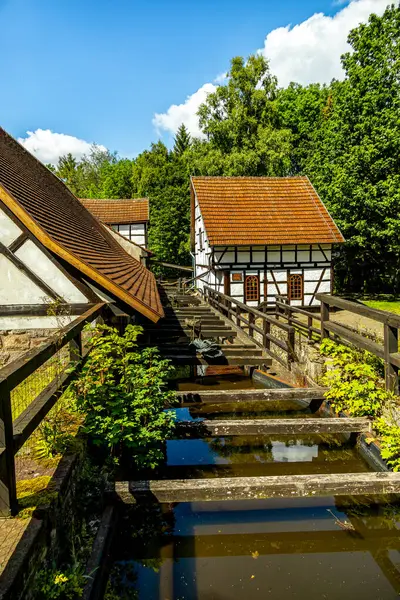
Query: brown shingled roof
x=57, y=218
x=118, y=212
x=243, y=211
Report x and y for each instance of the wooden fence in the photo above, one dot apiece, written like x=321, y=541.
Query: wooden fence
x=388, y=350
x=14, y=432
x=282, y=339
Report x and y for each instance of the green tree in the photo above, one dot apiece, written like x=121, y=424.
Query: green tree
x=355, y=160
x=182, y=140
x=241, y=123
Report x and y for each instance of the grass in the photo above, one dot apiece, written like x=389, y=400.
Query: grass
x=390, y=306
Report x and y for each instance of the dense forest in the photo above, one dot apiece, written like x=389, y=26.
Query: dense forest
x=345, y=137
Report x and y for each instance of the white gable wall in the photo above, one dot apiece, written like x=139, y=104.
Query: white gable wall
x=17, y=288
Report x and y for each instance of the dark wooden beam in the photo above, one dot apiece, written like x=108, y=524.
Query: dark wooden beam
x=30, y=274
x=214, y=428
x=39, y=310
x=360, y=309
x=13, y=247
x=277, y=395
x=20, y=368
x=256, y=488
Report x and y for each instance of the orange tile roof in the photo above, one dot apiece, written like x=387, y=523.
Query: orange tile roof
x=55, y=216
x=243, y=211
x=118, y=212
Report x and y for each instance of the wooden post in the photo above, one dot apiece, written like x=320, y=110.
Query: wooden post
x=310, y=322
x=324, y=319
x=237, y=316
x=8, y=490
x=267, y=330
x=291, y=346
x=391, y=342
x=251, y=324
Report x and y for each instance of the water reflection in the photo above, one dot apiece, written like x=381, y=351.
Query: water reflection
x=292, y=549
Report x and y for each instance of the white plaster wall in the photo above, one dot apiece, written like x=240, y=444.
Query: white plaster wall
x=17, y=288
x=9, y=231
x=44, y=268
x=127, y=245
x=16, y=322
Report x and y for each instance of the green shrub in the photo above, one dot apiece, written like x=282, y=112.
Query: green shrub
x=389, y=436
x=353, y=381
x=122, y=392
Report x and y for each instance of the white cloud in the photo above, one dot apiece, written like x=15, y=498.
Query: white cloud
x=184, y=113
x=306, y=53
x=48, y=146
x=221, y=78
x=310, y=51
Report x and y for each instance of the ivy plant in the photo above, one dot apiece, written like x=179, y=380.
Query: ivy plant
x=122, y=392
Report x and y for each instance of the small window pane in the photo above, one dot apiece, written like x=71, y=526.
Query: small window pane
x=252, y=288
x=295, y=287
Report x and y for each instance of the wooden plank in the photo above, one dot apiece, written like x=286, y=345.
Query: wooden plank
x=190, y=359
x=355, y=338
x=252, y=488
x=19, y=369
x=360, y=309
x=214, y=428
x=13, y=247
x=35, y=310
x=263, y=395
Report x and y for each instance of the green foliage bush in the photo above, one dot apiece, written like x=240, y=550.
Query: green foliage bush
x=353, y=382
x=122, y=392
x=356, y=387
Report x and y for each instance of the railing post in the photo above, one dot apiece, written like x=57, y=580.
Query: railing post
x=291, y=346
x=8, y=490
x=267, y=331
x=324, y=319
x=237, y=316
x=251, y=324
x=309, y=322
x=391, y=341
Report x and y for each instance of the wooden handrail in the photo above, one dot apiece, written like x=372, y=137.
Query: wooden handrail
x=14, y=434
x=360, y=309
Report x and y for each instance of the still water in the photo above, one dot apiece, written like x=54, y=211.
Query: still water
x=291, y=549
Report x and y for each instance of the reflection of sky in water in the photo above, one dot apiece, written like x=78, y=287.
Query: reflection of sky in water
x=199, y=452
x=294, y=453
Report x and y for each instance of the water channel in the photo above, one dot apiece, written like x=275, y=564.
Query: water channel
x=291, y=548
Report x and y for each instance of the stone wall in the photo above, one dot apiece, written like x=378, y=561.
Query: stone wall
x=14, y=343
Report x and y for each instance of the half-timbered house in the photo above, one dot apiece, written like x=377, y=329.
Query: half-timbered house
x=53, y=250
x=256, y=237
x=129, y=217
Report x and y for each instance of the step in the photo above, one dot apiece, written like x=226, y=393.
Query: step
x=215, y=333
x=191, y=359
x=215, y=428
x=182, y=350
x=252, y=488
x=263, y=395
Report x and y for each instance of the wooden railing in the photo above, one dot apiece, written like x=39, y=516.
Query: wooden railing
x=261, y=335
x=16, y=430
x=388, y=351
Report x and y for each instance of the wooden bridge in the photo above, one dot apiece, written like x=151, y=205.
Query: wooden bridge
x=248, y=336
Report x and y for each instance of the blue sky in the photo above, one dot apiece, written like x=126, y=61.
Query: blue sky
x=99, y=70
